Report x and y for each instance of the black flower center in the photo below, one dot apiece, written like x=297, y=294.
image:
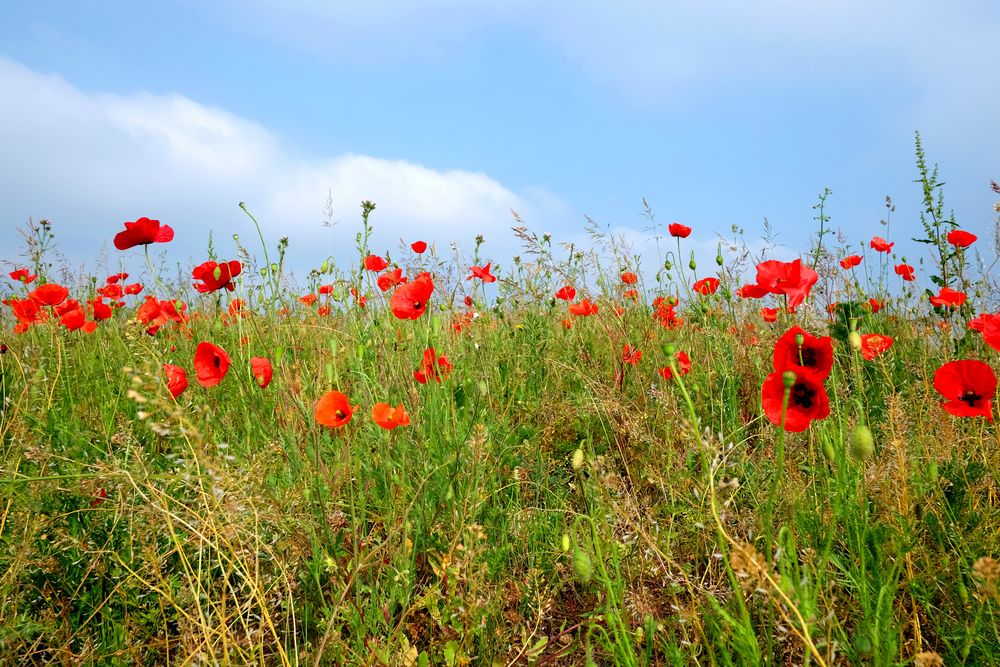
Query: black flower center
x=339, y=414
x=217, y=361
x=970, y=398
x=803, y=395
x=417, y=305
x=807, y=356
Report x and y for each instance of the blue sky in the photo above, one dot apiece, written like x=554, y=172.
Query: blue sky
x=447, y=113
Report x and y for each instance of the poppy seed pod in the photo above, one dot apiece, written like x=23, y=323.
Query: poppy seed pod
x=854, y=340
x=800, y=339
x=789, y=378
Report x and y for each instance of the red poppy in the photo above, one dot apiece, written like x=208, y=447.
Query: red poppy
x=216, y=276
x=323, y=310
x=630, y=278
x=390, y=279
x=211, y=363
x=961, y=238
x=27, y=312
x=969, y=387
x=116, y=278
x=409, y=301
x=143, y=232
x=683, y=366
x=989, y=326
x=22, y=275
x=156, y=313
x=389, y=417
x=874, y=305
x=631, y=355
x=879, y=244
x=308, y=299
x=418, y=247
x=769, y=314
x=333, y=410
x=807, y=399
x=814, y=355
x=49, y=294
x=468, y=301
x=483, y=273
x=585, y=308
x=752, y=292
x=905, y=271
x=566, y=293
x=567, y=324
x=631, y=295
x=134, y=288
x=375, y=263
x=948, y=297
x=706, y=286
x=678, y=230
x=432, y=367
x=262, y=371
x=789, y=278
x=177, y=380
x=872, y=345
x=71, y=315
x=850, y=261
x=112, y=291
x=101, y=310
x=325, y=289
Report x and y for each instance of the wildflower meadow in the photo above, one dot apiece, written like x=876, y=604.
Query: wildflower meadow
x=565, y=457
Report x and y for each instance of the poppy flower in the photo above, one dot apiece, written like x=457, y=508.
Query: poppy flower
x=215, y=276
x=873, y=305
x=850, y=261
x=177, y=380
x=814, y=355
x=143, y=232
x=49, y=294
x=390, y=279
x=133, y=289
x=389, y=417
x=432, y=367
x=101, y=310
x=683, y=366
x=323, y=311
x=211, y=363
x=71, y=315
x=706, y=286
x=791, y=279
x=308, y=299
x=961, y=238
x=483, y=273
x=418, y=247
x=111, y=280
x=262, y=371
x=752, y=292
x=325, y=289
x=375, y=263
x=879, y=244
x=333, y=410
x=22, y=275
x=769, y=314
x=630, y=278
x=969, y=387
x=631, y=295
x=631, y=355
x=989, y=327
x=872, y=345
x=807, y=399
x=585, y=308
x=678, y=230
x=905, y=271
x=566, y=293
x=948, y=297
x=567, y=324
x=409, y=301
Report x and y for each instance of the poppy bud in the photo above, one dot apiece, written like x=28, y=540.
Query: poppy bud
x=484, y=389
x=274, y=268
x=329, y=373
x=862, y=443
x=669, y=349
x=582, y=565
x=263, y=272
x=577, y=458
x=789, y=378
x=932, y=471
x=718, y=256
x=436, y=325
x=361, y=351
x=692, y=263
x=324, y=267
x=667, y=265
x=828, y=451
x=217, y=273
x=565, y=542
x=854, y=340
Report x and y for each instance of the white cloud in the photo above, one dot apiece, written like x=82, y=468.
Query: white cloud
x=91, y=161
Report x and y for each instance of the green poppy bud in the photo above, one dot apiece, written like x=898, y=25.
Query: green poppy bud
x=484, y=389
x=692, y=263
x=862, y=443
x=565, y=542
x=718, y=255
x=582, y=565
x=667, y=265
x=577, y=458
x=324, y=267
x=828, y=451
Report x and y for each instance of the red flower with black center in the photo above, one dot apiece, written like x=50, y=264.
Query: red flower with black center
x=706, y=286
x=390, y=279
x=791, y=279
x=678, y=230
x=631, y=355
x=630, y=278
x=961, y=238
x=879, y=244
x=389, y=417
x=905, y=271
x=49, y=294
x=814, y=354
x=683, y=366
x=969, y=387
x=409, y=301
x=418, y=247
x=873, y=305
x=262, y=371
x=71, y=315
x=177, y=380
x=989, y=326
x=101, y=310
x=752, y=292
x=133, y=289
x=566, y=293
x=333, y=409
x=948, y=297
x=850, y=261
x=483, y=273
x=585, y=308
x=872, y=345
x=116, y=278
x=216, y=276
x=22, y=276
x=143, y=232
x=807, y=399
x=432, y=367
x=211, y=363
x=325, y=289
x=375, y=263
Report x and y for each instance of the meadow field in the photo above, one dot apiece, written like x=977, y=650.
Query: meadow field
x=420, y=457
